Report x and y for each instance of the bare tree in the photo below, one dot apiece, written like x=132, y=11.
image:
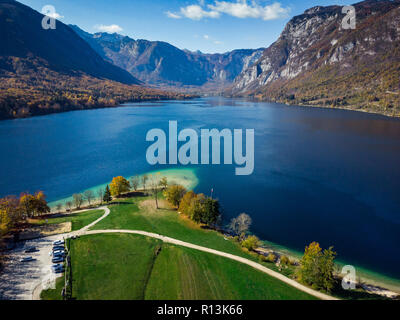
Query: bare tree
x=100, y=194
x=78, y=200
x=164, y=182
x=154, y=183
x=241, y=224
x=145, y=177
x=134, y=182
x=89, y=196
x=68, y=205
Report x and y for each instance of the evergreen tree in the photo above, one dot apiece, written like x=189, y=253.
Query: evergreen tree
x=107, y=195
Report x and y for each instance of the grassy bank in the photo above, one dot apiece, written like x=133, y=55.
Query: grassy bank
x=78, y=220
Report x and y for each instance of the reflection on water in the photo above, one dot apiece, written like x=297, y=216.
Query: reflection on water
x=324, y=175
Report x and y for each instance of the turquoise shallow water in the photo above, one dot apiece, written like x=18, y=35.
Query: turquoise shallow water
x=323, y=175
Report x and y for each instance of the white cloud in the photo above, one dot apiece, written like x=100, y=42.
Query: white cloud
x=239, y=9
x=242, y=9
x=109, y=29
x=195, y=12
x=218, y=42
x=206, y=36
x=172, y=15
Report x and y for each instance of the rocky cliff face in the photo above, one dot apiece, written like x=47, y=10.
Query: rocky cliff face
x=160, y=63
x=316, y=61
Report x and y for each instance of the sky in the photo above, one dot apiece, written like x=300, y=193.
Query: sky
x=210, y=26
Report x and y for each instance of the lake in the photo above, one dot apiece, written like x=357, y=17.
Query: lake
x=331, y=176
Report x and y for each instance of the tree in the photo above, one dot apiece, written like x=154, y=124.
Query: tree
x=197, y=208
x=154, y=183
x=77, y=199
x=211, y=212
x=184, y=205
x=10, y=214
x=107, y=195
x=241, y=224
x=33, y=205
x=58, y=207
x=144, y=180
x=68, y=205
x=251, y=243
x=118, y=186
x=100, y=193
x=317, y=267
x=164, y=182
x=174, y=194
x=89, y=196
x=40, y=206
x=134, y=182
x=27, y=203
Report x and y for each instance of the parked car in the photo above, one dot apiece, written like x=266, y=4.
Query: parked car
x=59, y=252
x=57, y=248
x=57, y=259
x=58, y=243
x=58, y=270
x=26, y=259
x=31, y=249
x=59, y=255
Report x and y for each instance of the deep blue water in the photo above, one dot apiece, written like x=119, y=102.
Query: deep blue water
x=323, y=175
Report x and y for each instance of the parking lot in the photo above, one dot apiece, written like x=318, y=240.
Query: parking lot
x=19, y=279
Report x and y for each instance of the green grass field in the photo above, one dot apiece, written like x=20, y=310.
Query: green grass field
x=185, y=274
x=166, y=222
x=111, y=266
x=133, y=267
x=78, y=220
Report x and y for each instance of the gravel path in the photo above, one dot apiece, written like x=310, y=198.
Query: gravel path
x=24, y=280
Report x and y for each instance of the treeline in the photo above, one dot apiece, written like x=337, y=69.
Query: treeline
x=14, y=210
x=27, y=88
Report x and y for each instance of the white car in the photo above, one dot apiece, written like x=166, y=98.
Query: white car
x=57, y=252
x=58, y=243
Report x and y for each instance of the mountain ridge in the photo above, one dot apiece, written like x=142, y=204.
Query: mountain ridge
x=55, y=70
x=160, y=63
x=316, y=62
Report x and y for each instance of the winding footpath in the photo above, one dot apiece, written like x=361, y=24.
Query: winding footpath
x=26, y=281
x=255, y=265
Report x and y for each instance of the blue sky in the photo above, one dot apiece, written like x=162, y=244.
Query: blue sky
x=206, y=25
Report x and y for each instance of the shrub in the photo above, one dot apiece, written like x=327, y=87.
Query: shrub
x=250, y=243
x=285, y=260
x=271, y=258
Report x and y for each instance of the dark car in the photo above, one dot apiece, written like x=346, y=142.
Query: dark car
x=57, y=248
x=57, y=268
x=31, y=249
x=58, y=255
x=57, y=260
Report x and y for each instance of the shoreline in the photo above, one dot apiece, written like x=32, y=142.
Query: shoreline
x=367, y=276
x=349, y=108
x=188, y=178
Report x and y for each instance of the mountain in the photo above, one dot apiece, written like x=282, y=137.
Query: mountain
x=44, y=71
x=22, y=36
x=317, y=62
x=160, y=63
